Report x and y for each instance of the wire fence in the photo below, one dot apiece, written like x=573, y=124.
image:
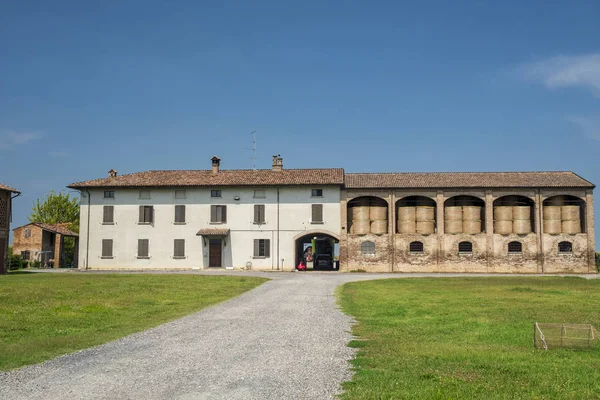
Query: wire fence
x=551, y=335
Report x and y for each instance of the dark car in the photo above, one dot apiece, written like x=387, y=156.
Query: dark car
x=323, y=261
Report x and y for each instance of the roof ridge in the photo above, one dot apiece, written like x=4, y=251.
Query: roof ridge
x=462, y=172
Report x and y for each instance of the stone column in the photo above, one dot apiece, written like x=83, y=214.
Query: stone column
x=589, y=226
x=344, y=231
x=489, y=227
x=58, y=245
x=391, y=228
x=537, y=218
x=440, y=228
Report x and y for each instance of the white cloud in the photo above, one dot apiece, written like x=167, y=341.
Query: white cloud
x=567, y=71
x=9, y=140
x=589, y=125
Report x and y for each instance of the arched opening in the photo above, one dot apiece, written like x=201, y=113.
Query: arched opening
x=464, y=214
x=564, y=214
x=514, y=214
x=416, y=214
x=565, y=248
x=465, y=248
x=416, y=247
x=318, y=250
x=515, y=248
x=367, y=215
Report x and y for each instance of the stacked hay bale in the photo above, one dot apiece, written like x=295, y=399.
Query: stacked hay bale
x=471, y=216
x=425, y=220
x=552, y=219
x=378, y=218
x=521, y=223
x=360, y=216
x=407, y=219
x=570, y=219
x=453, y=219
x=503, y=220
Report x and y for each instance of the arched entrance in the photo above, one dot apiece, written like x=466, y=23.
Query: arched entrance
x=319, y=250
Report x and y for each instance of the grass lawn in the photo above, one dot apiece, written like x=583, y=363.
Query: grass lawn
x=458, y=338
x=44, y=315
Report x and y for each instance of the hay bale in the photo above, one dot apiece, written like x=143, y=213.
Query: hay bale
x=453, y=213
x=425, y=213
x=361, y=227
x=571, y=227
x=521, y=213
x=361, y=213
x=407, y=226
x=378, y=213
x=471, y=213
x=569, y=213
x=521, y=226
x=452, y=227
x=552, y=226
x=471, y=226
x=379, y=227
x=425, y=227
x=552, y=213
x=406, y=213
x=503, y=213
x=503, y=227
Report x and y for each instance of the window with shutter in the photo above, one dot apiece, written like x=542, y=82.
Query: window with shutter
x=143, y=248
x=146, y=215
x=180, y=194
x=218, y=214
x=317, y=214
x=262, y=248
x=180, y=214
x=259, y=213
x=179, y=250
x=108, y=215
x=107, y=248
x=144, y=194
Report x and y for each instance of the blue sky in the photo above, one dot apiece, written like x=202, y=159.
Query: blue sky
x=367, y=86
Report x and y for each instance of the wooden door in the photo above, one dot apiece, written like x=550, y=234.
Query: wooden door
x=215, y=254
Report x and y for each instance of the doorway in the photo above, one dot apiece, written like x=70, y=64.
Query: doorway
x=215, y=253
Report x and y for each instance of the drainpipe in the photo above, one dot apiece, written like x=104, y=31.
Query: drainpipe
x=87, y=239
x=278, y=230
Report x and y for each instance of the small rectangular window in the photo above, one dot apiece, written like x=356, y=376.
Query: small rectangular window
x=416, y=247
x=259, y=193
x=218, y=214
x=25, y=255
x=144, y=194
x=143, y=250
x=27, y=233
x=109, y=194
x=108, y=215
x=565, y=247
x=146, y=215
x=179, y=248
x=465, y=248
x=107, y=248
x=317, y=214
x=262, y=248
x=259, y=213
x=180, y=194
x=180, y=214
x=317, y=193
x=215, y=193
x=515, y=248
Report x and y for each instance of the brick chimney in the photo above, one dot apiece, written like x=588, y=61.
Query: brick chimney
x=277, y=163
x=112, y=173
x=216, y=161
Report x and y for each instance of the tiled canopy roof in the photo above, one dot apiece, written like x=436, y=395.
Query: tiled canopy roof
x=8, y=188
x=564, y=179
x=175, y=178
x=213, y=232
x=55, y=228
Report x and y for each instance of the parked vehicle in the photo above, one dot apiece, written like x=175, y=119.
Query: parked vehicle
x=323, y=261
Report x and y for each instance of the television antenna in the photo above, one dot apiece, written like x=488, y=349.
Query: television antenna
x=253, y=158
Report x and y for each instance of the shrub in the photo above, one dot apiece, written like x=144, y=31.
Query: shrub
x=598, y=262
x=16, y=262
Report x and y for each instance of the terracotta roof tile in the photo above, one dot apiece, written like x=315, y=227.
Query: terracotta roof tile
x=466, y=180
x=176, y=178
x=56, y=228
x=213, y=232
x=8, y=188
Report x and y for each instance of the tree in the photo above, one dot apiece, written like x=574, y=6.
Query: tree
x=56, y=209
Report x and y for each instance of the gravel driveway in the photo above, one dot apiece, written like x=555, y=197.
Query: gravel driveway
x=283, y=340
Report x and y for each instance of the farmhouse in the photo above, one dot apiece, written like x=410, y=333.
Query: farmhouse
x=522, y=222
x=6, y=196
x=44, y=243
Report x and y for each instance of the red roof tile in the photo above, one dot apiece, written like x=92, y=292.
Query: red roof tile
x=466, y=180
x=213, y=232
x=175, y=178
x=8, y=188
x=56, y=228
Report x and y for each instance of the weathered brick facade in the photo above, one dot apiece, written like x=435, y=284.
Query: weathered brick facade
x=43, y=242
